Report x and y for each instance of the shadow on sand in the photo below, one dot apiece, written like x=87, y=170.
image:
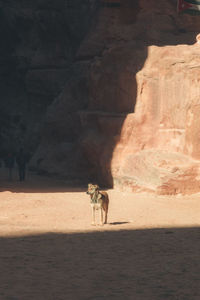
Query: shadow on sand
x=119, y=223
x=39, y=184
x=136, y=264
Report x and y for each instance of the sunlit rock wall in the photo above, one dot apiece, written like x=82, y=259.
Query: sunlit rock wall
x=133, y=103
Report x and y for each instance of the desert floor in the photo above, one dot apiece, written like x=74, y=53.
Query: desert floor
x=150, y=248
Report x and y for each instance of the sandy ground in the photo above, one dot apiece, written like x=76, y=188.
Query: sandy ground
x=150, y=248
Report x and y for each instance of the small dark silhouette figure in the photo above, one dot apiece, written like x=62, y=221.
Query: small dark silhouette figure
x=21, y=161
x=9, y=164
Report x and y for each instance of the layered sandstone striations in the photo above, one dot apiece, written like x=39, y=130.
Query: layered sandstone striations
x=129, y=114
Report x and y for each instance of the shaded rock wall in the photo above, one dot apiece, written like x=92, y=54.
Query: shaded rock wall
x=127, y=114
x=139, y=119
x=38, y=43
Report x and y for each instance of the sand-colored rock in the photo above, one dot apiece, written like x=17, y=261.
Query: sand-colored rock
x=166, y=118
x=137, y=121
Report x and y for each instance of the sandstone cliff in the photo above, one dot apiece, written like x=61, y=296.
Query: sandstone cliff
x=137, y=125
x=128, y=114
x=39, y=39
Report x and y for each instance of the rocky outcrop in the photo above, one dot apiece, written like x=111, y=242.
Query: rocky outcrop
x=39, y=39
x=148, y=81
x=159, y=143
x=59, y=151
x=137, y=126
x=141, y=126
x=126, y=92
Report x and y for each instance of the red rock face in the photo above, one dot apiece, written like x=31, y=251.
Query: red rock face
x=139, y=129
x=150, y=139
x=168, y=101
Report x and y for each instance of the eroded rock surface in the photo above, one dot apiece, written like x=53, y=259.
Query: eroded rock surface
x=39, y=39
x=159, y=143
x=139, y=117
x=126, y=94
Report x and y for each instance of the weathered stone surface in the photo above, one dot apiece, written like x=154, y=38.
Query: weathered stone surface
x=46, y=82
x=138, y=129
x=128, y=115
x=166, y=118
x=59, y=152
x=156, y=142
x=39, y=40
